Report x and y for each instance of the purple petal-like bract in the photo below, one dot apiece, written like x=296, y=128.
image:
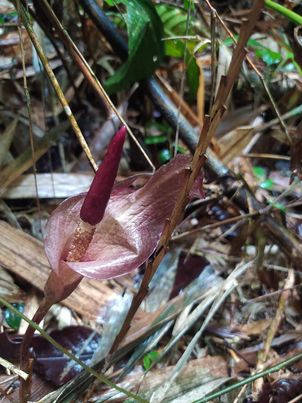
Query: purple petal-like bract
x=130, y=229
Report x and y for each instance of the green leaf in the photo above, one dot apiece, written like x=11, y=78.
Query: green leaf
x=112, y=3
x=278, y=206
x=268, y=56
x=259, y=172
x=12, y=320
x=153, y=355
x=145, y=32
x=149, y=359
x=188, y=4
x=146, y=363
x=172, y=18
x=192, y=75
x=181, y=150
x=156, y=139
x=175, y=21
x=267, y=184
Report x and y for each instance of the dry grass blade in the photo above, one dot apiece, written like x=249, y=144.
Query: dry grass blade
x=185, y=109
x=200, y=93
x=183, y=76
x=11, y=367
x=29, y=114
x=207, y=299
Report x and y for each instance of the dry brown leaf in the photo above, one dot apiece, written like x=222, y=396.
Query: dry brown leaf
x=254, y=328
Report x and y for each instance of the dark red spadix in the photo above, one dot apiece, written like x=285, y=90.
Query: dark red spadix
x=97, y=198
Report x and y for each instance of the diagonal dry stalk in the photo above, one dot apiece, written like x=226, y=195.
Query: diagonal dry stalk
x=210, y=125
x=84, y=66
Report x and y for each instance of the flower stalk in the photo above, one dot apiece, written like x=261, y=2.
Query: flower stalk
x=60, y=285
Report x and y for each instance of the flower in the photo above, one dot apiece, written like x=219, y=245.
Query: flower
x=114, y=228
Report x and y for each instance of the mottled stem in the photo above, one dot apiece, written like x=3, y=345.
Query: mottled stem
x=25, y=352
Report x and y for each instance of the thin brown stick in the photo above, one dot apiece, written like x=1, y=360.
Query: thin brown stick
x=208, y=130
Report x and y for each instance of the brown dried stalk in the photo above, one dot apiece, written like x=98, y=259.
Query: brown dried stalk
x=210, y=125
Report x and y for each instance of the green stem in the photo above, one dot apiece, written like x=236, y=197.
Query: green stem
x=96, y=374
x=251, y=378
x=291, y=15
